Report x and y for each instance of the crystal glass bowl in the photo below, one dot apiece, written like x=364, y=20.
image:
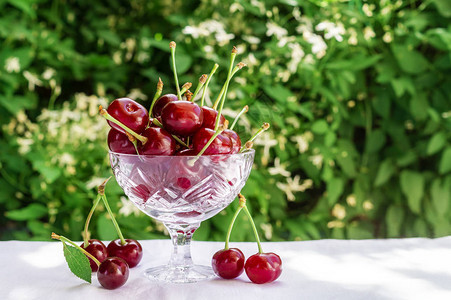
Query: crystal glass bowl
x=181, y=192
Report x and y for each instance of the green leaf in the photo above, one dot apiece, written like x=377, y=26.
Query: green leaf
x=443, y=7
x=50, y=172
x=78, y=262
x=320, y=127
x=441, y=195
x=24, y=5
x=394, y=219
x=335, y=188
x=355, y=64
x=30, y=212
x=16, y=103
x=445, y=162
x=105, y=228
x=436, y=143
x=385, y=172
x=375, y=141
x=409, y=60
x=412, y=186
x=419, y=106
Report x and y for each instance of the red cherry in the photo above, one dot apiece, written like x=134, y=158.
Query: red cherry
x=113, y=273
x=159, y=142
x=229, y=263
x=131, y=251
x=97, y=249
x=182, y=117
x=220, y=145
x=161, y=103
x=263, y=267
x=119, y=142
x=130, y=113
x=186, y=152
x=210, y=117
x=235, y=138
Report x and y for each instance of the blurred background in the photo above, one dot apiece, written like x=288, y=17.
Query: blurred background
x=357, y=93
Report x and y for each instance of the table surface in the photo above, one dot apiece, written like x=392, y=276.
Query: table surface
x=325, y=269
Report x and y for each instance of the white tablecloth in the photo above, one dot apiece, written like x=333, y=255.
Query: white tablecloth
x=325, y=269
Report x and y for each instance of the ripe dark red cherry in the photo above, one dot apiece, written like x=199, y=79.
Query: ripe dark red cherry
x=210, y=117
x=97, y=249
x=234, y=137
x=119, y=142
x=113, y=273
x=229, y=263
x=131, y=251
x=182, y=117
x=159, y=142
x=130, y=113
x=186, y=152
x=263, y=267
x=161, y=102
x=220, y=145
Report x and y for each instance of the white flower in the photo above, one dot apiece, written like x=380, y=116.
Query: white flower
x=24, y=145
x=293, y=185
x=267, y=230
x=137, y=94
x=251, y=39
x=302, y=141
x=128, y=208
x=339, y=211
x=267, y=142
x=279, y=169
x=296, y=56
x=12, y=65
x=208, y=28
x=274, y=29
x=48, y=73
x=331, y=30
x=317, y=160
x=368, y=33
x=318, y=45
x=33, y=80
x=388, y=37
x=235, y=7
x=66, y=159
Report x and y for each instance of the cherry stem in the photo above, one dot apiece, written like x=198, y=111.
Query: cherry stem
x=100, y=192
x=185, y=88
x=104, y=113
x=88, y=219
x=202, y=81
x=264, y=127
x=158, y=123
x=172, y=46
x=243, y=111
x=65, y=239
x=239, y=66
x=119, y=232
x=229, y=76
x=157, y=95
x=229, y=231
x=215, y=67
x=257, y=238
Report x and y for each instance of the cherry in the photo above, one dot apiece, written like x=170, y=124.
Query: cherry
x=220, y=145
x=229, y=263
x=113, y=273
x=159, y=142
x=130, y=113
x=187, y=152
x=182, y=117
x=263, y=267
x=97, y=249
x=119, y=142
x=210, y=117
x=131, y=251
x=161, y=103
x=235, y=138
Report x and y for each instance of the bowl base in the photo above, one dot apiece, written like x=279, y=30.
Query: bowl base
x=171, y=274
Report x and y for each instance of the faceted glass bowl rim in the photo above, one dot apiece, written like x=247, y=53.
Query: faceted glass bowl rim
x=250, y=151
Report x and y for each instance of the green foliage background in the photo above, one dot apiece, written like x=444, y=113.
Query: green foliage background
x=357, y=93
